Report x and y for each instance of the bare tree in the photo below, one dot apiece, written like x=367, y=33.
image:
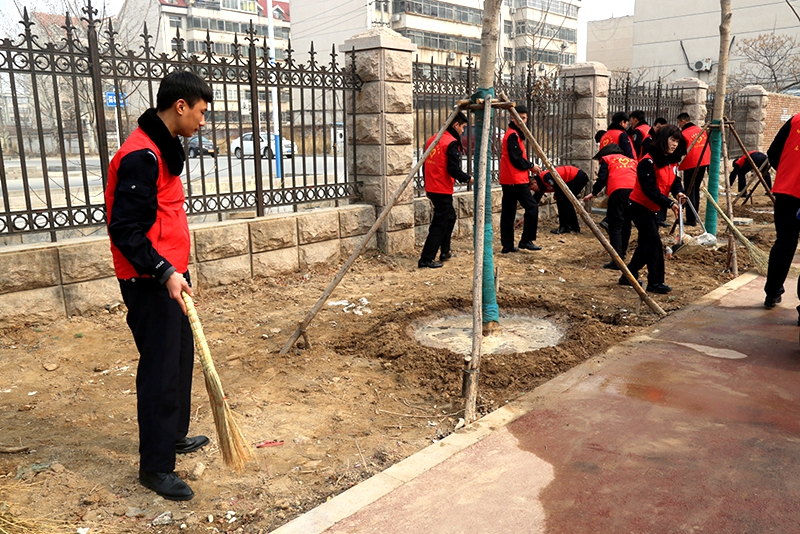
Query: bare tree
x=769, y=60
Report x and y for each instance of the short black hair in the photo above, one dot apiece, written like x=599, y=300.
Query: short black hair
x=522, y=109
x=683, y=117
x=184, y=85
x=599, y=135
x=460, y=118
x=638, y=114
x=619, y=117
x=670, y=130
x=661, y=120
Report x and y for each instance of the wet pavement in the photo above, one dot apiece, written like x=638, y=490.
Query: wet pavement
x=692, y=427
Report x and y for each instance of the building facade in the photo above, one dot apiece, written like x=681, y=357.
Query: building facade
x=610, y=42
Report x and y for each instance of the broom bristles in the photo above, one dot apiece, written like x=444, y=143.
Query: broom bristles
x=236, y=452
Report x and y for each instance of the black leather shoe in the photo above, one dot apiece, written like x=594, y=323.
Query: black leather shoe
x=187, y=445
x=771, y=302
x=445, y=257
x=658, y=288
x=604, y=225
x=611, y=265
x=529, y=246
x=167, y=485
x=663, y=224
x=560, y=230
x=507, y=250
x=428, y=264
x=624, y=281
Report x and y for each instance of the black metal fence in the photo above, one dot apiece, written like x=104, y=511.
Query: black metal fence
x=68, y=103
x=736, y=107
x=656, y=99
x=550, y=99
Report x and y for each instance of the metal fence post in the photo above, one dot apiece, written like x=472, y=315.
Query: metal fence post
x=97, y=89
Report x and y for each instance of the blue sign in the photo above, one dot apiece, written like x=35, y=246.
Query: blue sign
x=111, y=99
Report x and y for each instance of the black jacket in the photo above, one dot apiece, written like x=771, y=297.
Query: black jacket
x=602, y=171
x=646, y=176
x=454, y=151
x=624, y=141
x=514, y=150
x=776, y=148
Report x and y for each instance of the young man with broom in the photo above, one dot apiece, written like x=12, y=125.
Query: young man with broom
x=150, y=245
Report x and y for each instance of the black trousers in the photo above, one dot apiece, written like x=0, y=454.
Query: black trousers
x=648, y=249
x=441, y=229
x=618, y=215
x=694, y=194
x=742, y=178
x=164, y=377
x=787, y=229
x=567, y=217
x=512, y=194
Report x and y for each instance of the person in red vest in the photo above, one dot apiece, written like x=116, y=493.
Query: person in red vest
x=617, y=174
x=646, y=143
x=639, y=132
x=150, y=244
x=784, y=157
x=692, y=161
x=515, y=181
x=441, y=169
x=576, y=180
x=617, y=134
x=742, y=166
x=656, y=177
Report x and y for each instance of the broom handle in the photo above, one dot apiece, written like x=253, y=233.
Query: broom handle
x=209, y=371
x=730, y=224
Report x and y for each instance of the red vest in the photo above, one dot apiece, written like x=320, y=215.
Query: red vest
x=644, y=130
x=693, y=157
x=510, y=175
x=170, y=232
x=621, y=172
x=665, y=177
x=787, y=177
x=566, y=172
x=611, y=136
x=436, y=178
x=741, y=161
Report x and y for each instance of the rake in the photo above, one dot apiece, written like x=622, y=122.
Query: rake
x=236, y=451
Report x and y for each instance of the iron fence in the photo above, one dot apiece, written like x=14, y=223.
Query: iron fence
x=736, y=106
x=70, y=102
x=550, y=100
x=656, y=99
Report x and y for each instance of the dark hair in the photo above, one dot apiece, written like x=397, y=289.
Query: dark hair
x=660, y=142
x=638, y=115
x=661, y=120
x=182, y=85
x=599, y=135
x=460, y=118
x=619, y=117
x=684, y=117
x=522, y=109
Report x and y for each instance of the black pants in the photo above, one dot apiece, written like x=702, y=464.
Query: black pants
x=511, y=195
x=787, y=229
x=618, y=215
x=742, y=179
x=567, y=217
x=441, y=228
x=694, y=194
x=648, y=249
x=164, y=377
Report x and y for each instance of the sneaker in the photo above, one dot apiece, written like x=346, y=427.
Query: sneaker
x=529, y=246
x=771, y=302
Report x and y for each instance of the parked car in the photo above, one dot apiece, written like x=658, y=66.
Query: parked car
x=243, y=146
x=193, y=147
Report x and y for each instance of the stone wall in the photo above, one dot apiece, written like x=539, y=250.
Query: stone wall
x=779, y=109
x=40, y=283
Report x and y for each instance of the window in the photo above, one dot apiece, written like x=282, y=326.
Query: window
x=508, y=54
x=508, y=27
x=175, y=22
x=440, y=10
x=442, y=41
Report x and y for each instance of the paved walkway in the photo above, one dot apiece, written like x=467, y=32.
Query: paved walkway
x=692, y=427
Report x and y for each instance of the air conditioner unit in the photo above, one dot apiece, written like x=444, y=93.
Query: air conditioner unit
x=512, y=10
x=451, y=56
x=703, y=65
x=396, y=17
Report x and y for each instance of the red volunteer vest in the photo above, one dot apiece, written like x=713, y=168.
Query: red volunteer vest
x=644, y=131
x=510, y=175
x=621, y=172
x=665, y=177
x=170, y=232
x=693, y=157
x=741, y=161
x=566, y=172
x=611, y=136
x=436, y=178
x=787, y=177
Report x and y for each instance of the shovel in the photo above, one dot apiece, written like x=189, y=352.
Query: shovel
x=687, y=244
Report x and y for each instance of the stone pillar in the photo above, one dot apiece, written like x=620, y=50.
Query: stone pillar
x=381, y=149
x=590, y=81
x=755, y=119
x=694, y=98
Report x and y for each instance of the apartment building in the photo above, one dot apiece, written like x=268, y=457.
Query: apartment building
x=539, y=32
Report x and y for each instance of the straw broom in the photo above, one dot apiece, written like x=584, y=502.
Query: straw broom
x=235, y=450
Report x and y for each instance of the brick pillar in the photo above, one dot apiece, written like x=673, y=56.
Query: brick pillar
x=381, y=151
x=752, y=131
x=694, y=98
x=590, y=82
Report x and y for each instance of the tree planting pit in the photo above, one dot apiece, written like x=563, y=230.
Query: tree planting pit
x=519, y=333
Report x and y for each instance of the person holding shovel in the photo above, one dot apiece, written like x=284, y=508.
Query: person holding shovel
x=695, y=164
x=656, y=177
x=441, y=170
x=149, y=236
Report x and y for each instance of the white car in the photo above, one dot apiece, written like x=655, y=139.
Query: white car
x=243, y=146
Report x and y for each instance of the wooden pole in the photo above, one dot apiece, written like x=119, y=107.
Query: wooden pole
x=301, y=328
x=747, y=192
x=472, y=363
x=587, y=219
x=753, y=165
x=732, y=254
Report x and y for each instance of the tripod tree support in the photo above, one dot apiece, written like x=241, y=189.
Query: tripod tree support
x=301, y=328
x=757, y=170
x=587, y=219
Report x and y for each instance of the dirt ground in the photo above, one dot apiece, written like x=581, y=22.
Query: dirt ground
x=362, y=398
